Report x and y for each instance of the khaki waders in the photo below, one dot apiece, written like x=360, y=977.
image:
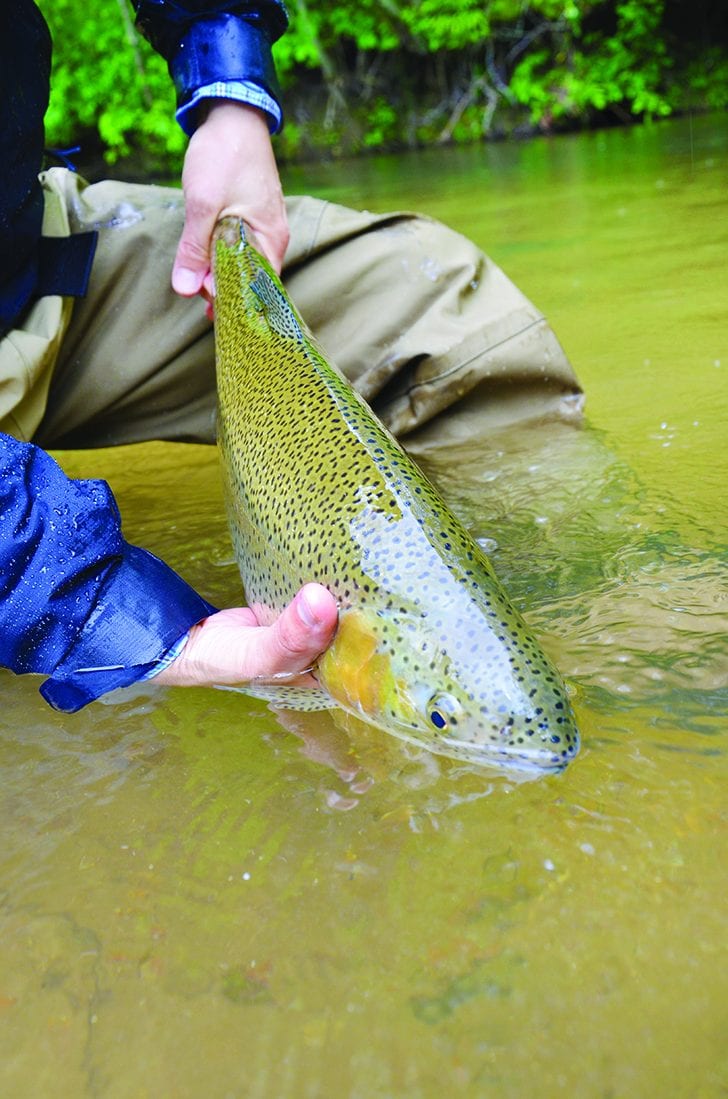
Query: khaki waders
x=415, y=315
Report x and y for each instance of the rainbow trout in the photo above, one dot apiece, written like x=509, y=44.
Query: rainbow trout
x=428, y=646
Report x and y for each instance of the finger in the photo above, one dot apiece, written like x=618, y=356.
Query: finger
x=208, y=293
x=274, y=245
x=192, y=261
x=270, y=233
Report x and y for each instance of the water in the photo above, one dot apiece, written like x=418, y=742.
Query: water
x=199, y=901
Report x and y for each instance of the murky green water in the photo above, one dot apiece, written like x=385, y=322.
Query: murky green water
x=198, y=902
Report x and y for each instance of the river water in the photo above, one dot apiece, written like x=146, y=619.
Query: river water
x=198, y=901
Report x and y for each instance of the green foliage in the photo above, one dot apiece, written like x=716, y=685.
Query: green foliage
x=624, y=70
x=369, y=74
x=107, y=81
x=461, y=69
x=447, y=24
x=382, y=128
x=703, y=83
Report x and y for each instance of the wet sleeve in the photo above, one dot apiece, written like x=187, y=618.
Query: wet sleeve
x=77, y=602
x=210, y=46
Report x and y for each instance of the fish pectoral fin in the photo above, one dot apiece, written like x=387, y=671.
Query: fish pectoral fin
x=288, y=698
x=299, y=698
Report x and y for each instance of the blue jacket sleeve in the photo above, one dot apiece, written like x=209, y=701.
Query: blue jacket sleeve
x=77, y=602
x=206, y=43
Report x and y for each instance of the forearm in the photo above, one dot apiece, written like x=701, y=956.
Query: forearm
x=77, y=602
x=217, y=50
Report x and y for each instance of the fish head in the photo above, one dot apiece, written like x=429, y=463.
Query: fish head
x=465, y=697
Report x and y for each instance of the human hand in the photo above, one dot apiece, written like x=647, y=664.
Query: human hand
x=229, y=169
x=229, y=648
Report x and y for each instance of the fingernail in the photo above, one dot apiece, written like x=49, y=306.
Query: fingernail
x=306, y=612
x=185, y=281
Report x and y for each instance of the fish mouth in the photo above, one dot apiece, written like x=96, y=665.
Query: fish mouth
x=507, y=756
x=516, y=758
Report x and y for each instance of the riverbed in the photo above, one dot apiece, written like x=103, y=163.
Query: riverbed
x=200, y=899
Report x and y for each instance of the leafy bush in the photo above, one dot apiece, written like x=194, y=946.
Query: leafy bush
x=624, y=69
x=107, y=81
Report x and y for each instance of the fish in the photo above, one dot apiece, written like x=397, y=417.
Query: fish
x=428, y=646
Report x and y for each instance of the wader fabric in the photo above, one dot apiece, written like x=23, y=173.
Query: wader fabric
x=416, y=316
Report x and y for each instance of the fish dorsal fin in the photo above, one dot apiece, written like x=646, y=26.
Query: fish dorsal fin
x=278, y=312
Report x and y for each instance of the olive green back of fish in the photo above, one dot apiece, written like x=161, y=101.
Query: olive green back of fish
x=428, y=645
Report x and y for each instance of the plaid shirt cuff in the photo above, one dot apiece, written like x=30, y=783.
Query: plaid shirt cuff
x=241, y=91
x=168, y=657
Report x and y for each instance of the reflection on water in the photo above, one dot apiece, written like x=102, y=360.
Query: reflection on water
x=631, y=607
x=201, y=897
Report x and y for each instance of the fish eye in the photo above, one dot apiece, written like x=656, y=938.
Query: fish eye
x=442, y=711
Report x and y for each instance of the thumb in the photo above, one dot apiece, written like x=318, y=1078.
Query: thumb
x=301, y=633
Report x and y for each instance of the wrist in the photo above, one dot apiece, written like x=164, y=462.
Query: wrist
x=232, y=112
